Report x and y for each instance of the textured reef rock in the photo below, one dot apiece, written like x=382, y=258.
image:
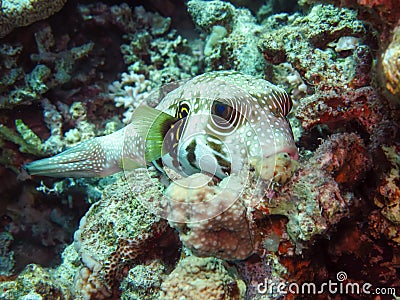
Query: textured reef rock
x=390, y=65
x=202, y=278
x=6, y=254
x=144, y=281
x=228, y=235
x=115, y=233
x=386, y=220
x=36, y=282
x=15, y=14
x=335, y=107
x=315, y=43
x=314, y=201
x=340, y=209
x=233, y=36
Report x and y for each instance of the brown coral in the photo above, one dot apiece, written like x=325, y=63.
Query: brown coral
x=313, y=200
x=386, y=221
x=336, y=106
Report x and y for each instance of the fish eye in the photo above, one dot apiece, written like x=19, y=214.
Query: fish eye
x=221, y=110
x=223, y=114
x=182, y=111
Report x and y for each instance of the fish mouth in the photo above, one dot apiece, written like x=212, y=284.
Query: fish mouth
x=290, y=150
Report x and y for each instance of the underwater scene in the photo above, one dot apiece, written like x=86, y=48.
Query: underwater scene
x=194, y=149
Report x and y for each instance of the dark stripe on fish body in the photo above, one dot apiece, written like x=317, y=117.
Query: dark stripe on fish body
x=191, y=156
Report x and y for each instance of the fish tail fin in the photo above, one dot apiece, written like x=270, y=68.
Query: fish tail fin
x=97, y=157
x=106, y=155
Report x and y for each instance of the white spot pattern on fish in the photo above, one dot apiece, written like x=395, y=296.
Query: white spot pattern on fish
x=211, y=124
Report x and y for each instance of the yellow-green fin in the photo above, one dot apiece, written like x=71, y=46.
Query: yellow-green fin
x=152, y=124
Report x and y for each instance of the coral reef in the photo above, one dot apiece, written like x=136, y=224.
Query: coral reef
x=6, y=254
x=390, y=65
x=336, y=210
x=226, y=235
x=202, y=278
x=143, y=281
x=132, y=90
x=15, y=14
x=154, y=54
x=53, y=67
x=335, y=107
x=354, y=246
x=313, y=50
x=36, y=282
x=233, y=39
x=387, y=219
x=314, y=202
x=383, y=14
x=154, y=49
x=114, y=233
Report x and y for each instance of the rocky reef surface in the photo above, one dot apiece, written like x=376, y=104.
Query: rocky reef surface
x=74, y=70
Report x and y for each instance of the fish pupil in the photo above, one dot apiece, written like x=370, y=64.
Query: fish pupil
x=220, y=109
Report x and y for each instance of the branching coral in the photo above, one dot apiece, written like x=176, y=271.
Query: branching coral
x=53, y=68
x=131, y=91
x=152, y=48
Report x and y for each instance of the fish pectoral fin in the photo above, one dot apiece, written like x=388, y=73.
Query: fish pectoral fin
x=152, y=125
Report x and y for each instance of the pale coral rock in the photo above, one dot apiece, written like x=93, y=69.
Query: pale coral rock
x=388, y=197
x=234, y=35
x=19, y=13
x=303, y=40
x=203, y=279
x=112, y=234
x=144, y=281
x=391, y=65
x=217, y=221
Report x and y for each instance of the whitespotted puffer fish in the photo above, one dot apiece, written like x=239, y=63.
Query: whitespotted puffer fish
x=213, y=123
